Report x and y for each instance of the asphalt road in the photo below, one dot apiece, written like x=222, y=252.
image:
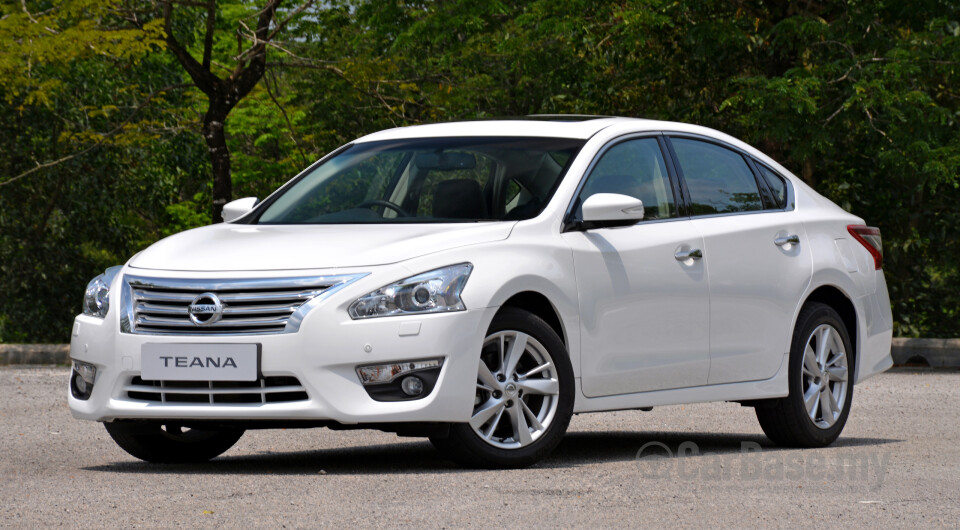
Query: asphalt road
x=897, y=464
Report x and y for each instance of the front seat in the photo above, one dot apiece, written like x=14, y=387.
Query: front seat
x=458, y=199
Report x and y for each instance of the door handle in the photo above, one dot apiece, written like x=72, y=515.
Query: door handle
x=684, y=255
x=792, y=239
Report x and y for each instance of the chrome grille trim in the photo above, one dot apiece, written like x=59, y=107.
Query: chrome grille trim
x=254, y=306
x=271, y=389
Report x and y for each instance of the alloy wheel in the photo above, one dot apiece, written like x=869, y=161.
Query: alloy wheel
x=517, y=391
x=824, y=376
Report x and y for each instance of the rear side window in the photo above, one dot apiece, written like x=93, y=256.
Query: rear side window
x=777, y=185
x=718, y=179
x=635, y=168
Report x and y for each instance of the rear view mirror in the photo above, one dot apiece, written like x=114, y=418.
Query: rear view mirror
x=236, y=209
x=446, y=161
x=611, y=209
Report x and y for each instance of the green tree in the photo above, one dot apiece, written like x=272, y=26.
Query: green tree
x=858, y=98
x=102, y=153
x=229, y=45
x=93, y=143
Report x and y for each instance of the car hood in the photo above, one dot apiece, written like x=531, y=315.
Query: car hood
x=236, y=247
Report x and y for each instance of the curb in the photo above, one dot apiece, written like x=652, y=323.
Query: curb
x=935, y=353
x=34, y=354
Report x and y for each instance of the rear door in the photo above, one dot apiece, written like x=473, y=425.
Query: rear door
x=755, y=255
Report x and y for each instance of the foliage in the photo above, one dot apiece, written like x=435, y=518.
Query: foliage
x=109, y=163
x=858, y=98
x=35, y=46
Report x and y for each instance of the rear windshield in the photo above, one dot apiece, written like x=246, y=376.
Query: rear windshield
x=428, y=180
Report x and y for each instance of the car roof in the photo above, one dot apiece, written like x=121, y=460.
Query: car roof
x=551, y=126
x=542, y=125
x=577, y=126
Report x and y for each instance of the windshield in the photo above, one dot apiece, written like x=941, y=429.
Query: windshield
x=428, y=180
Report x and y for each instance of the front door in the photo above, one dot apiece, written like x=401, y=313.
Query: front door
x=644, y=306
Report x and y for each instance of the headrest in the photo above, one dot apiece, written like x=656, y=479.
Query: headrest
x=458, y=199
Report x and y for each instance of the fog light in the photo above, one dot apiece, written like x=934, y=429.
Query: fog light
x=82, y=379
x=401, y=381
x=384, y=373
x=412, y=385
x=81, y=384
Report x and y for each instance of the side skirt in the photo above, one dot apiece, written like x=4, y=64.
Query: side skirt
x=775, y=387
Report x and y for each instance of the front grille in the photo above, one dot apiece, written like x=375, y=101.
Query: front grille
x=266, y=311
x=283, y=389
x=255, y=306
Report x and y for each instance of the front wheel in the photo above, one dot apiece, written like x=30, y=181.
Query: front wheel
x=524, y=396
x=820, y=380
x=169, y=443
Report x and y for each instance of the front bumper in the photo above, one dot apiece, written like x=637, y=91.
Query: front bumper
x=322, y=355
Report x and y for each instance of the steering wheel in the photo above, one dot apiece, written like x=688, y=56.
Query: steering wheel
x=380, y=202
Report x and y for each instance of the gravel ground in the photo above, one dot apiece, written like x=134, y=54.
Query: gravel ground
x=897, y=464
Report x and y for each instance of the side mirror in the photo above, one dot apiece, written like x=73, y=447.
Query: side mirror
x=611, y=209
x=236, y=209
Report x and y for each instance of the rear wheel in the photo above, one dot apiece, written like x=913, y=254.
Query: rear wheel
x=524, y=396
x=170, y=443
x=821, y=383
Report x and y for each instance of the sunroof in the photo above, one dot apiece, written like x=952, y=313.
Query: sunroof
x=564, y=117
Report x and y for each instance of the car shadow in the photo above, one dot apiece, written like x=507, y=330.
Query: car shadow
x=582, y=448
x=415, y=456
x=405, y=456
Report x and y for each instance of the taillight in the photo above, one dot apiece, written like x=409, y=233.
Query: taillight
x=869, y=237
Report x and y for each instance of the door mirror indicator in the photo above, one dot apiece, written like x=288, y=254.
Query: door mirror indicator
x=603, y=210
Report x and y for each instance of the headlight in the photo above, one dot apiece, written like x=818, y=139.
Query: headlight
x=96, y=299
x=431, y=292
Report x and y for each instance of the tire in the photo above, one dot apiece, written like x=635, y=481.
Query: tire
x=519, y=415
x=817, y=373
x=171, y=444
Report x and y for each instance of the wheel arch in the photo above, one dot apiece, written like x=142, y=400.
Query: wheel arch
x=842, y=303
x=541, y=306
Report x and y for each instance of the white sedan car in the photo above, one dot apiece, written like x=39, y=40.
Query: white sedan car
x=481, y=282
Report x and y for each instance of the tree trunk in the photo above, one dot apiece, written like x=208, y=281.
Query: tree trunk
x=223, y=93
x=808, y=176
x=213, y=133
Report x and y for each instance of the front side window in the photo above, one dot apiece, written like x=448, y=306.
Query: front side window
x=428, y=180
x=635, y=168
x=718, y=179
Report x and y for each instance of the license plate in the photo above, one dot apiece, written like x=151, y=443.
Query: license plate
x=200, y=362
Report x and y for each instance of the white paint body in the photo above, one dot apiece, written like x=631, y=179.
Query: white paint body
x=641, y=327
